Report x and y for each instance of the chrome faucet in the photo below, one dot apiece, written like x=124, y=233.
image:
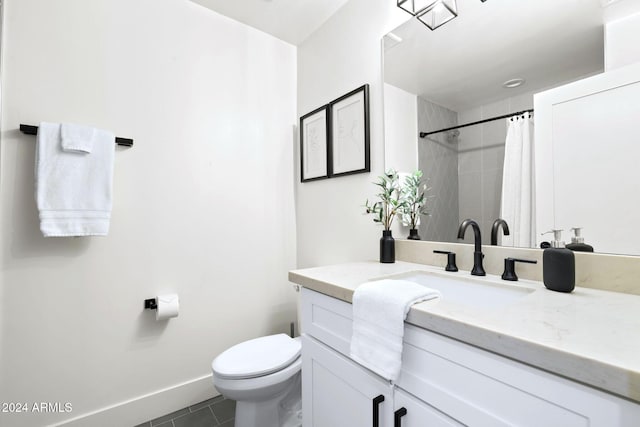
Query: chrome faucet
x=477, y=270
x=496, y=227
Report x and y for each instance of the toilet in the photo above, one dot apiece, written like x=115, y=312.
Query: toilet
x=263, y=377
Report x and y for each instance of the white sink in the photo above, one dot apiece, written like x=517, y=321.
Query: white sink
x=468, y=291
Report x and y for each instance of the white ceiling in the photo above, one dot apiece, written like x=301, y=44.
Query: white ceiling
x=289, y=20
x=463, y=64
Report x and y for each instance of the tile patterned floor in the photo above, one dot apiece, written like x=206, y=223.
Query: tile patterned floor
x=216, y=412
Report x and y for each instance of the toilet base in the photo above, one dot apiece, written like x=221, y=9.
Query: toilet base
x=283, y=410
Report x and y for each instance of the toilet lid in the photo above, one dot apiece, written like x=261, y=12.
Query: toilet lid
x=257, y=357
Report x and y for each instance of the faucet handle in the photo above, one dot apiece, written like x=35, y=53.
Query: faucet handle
x=451, y=260
x=510, y=268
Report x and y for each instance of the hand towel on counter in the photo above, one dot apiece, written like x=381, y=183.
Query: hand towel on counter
x=74, y=188
x=379, y=310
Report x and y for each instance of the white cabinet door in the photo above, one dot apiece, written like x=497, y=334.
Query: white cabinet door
x=412, y=412
x=587, y=140
x=336, y=392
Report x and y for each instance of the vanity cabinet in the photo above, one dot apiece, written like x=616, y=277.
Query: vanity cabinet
x=443, y=382
x=418, y=413
x=336, y=392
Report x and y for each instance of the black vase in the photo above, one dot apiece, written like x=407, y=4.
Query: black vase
x=387, y=247
x=413, y=234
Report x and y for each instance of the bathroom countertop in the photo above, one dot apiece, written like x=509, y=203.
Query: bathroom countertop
x=589, y=335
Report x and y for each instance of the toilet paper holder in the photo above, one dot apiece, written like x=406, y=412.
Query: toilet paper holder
x=150, y=304
x=165, y=306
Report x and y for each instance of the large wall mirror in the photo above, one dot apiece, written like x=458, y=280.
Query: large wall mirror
x=486, y=63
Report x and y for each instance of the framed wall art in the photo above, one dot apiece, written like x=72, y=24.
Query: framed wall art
x=314, y=145
x=349, y=138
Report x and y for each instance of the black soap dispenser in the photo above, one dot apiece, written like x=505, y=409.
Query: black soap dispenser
x=577, y=242
x=558, y=265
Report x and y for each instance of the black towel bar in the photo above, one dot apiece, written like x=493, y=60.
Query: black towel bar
x=33, y=130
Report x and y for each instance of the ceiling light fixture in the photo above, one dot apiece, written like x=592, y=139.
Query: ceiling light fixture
x=509, y=84
x=415, y=6
x=431, y=13
x=439, y=14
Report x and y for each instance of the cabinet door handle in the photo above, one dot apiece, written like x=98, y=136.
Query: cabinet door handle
x=397, y=416
x=376, y=410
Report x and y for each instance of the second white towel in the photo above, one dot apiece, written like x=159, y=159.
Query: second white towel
x=77, y=138
x=379, y=310
x=74, y=187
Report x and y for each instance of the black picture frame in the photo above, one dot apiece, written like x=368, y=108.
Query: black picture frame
x=314, y=144
x=349, y=141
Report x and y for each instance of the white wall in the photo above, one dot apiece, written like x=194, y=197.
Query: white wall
x=621, y=42
x=342, y=55
x=400, y=129
x=400, y=137
x=203, y=203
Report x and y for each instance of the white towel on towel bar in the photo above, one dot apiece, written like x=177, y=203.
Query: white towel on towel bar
x=76, y=137
x=379, y=310
x=74, y=188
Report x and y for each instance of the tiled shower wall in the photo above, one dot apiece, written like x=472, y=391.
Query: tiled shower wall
x=438, y=160
x=465, y=173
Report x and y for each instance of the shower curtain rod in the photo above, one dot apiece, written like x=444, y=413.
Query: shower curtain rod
x=506, y=116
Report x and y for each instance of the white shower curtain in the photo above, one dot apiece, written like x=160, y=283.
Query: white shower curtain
x=518, y=184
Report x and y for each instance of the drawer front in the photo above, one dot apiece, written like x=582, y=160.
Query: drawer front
x=327, y=319
x=419, y=413
x=484, y=389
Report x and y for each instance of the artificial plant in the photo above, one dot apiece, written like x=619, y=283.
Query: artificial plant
x=414, y=200
x=390, y=203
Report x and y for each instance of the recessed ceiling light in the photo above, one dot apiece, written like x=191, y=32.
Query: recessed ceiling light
x=513, y=83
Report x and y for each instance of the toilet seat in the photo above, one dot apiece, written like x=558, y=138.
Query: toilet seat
x=249, y=389
x=256, y=358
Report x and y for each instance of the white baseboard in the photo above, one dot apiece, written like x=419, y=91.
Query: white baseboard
x=147, y=407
